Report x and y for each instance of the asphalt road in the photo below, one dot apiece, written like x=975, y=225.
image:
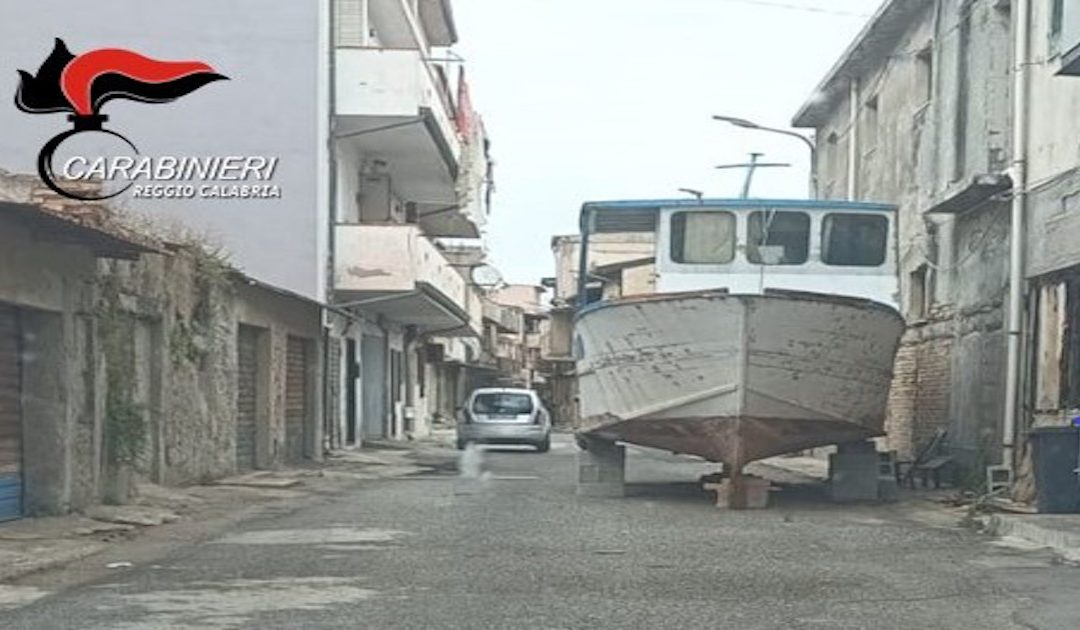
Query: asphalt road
x=519, y=550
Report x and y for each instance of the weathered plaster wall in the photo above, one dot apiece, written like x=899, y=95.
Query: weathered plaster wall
x=933, y=113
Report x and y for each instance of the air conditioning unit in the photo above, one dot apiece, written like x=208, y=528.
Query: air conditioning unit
x=375, y=199
x=435, y=353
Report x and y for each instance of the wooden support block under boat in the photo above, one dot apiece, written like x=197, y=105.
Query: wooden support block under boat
x=745, y=493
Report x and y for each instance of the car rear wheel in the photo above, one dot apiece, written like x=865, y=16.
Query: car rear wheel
x=544, y=446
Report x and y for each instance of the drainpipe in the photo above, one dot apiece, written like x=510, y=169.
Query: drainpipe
x=588, y=224
x=1021, y=43
x=331, y=199
x=853, y=141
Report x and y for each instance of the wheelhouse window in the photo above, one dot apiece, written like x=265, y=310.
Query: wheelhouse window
x=703, y=237
x=854, y=240
x=778, y=238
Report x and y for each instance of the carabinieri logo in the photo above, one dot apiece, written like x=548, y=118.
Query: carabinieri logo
x=82, y=84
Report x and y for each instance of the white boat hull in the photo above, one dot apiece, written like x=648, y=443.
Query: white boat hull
x=735, y=378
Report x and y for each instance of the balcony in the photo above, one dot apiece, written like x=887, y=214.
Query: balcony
x=394, y=107
x=395, y=271
x=505, y=318
x=557, y=344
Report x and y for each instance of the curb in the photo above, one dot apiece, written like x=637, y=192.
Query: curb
x=14, y=572
x=1067, y=543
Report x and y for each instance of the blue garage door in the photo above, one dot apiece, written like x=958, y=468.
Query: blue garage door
x=11, y=481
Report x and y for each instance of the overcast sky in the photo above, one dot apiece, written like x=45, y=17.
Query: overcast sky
x=611, y=99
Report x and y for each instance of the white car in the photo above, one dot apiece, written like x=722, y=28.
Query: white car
x=502, y=415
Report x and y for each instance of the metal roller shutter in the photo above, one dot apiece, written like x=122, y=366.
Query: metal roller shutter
x=11, y=478
x=296, y=404
x=246, y=397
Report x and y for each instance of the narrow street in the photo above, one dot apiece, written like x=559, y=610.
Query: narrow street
x=519, y=549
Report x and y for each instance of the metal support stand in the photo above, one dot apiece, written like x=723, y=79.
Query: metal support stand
x=601, y=468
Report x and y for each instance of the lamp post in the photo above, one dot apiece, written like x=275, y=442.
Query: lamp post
x=746, y=124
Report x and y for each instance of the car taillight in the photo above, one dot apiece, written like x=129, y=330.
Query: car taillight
x=536, y=417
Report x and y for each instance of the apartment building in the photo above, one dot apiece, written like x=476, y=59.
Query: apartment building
x=621, y=263
x=378, y=156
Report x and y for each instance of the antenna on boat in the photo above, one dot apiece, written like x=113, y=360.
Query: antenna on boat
x=750, y=167
x=696, y=193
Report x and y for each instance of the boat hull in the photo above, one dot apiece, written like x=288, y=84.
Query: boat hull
x=735, y=378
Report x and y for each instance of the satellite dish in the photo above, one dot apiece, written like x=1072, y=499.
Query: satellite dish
x=486, y=276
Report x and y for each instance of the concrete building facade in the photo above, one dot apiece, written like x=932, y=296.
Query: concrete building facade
x=922, y=111
x=619, y=264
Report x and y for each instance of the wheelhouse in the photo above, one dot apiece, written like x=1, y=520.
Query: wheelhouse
x=751, y=245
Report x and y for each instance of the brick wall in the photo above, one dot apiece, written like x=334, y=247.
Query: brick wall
x=920, y=394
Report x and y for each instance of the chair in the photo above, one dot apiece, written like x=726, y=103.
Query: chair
x=929, y=463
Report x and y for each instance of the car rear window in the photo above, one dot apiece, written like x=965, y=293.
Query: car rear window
x=502, y=404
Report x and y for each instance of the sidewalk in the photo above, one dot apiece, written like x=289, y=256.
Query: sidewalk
x=31, y=545
x=1059, y=532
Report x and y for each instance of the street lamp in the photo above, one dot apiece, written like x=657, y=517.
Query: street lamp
x=746, y=124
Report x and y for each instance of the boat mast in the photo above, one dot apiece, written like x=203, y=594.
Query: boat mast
x=750, y=167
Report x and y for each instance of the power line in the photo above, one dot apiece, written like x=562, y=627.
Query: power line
x=800, y=7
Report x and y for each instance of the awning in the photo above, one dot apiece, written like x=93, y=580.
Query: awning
x=105, y=241
x=977, y=192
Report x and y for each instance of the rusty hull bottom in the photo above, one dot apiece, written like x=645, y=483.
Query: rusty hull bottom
x=732, y=441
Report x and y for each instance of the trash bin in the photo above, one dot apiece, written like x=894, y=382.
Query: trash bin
x=1056, y=457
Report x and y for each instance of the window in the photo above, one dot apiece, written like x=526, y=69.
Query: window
x=871, y=123
x=854, y=240
x=925, y=73
x=963, y=86
x=920, y=293
x=1057, y=19
x=778, y=238
x=502, y=404
x=703, y=237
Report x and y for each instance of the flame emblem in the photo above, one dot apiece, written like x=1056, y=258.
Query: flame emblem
x=82, y=84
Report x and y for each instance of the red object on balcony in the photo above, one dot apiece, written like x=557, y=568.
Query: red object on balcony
x=464, y=117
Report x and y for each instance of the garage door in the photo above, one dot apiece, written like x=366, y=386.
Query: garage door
x=11, y=482
x=296, y=404
x=246, y=397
